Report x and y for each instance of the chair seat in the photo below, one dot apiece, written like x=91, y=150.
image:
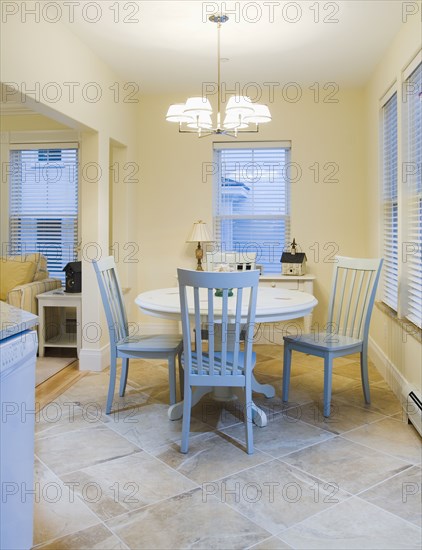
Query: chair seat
x=324, y=341
x=217, y=362
x=150, y=343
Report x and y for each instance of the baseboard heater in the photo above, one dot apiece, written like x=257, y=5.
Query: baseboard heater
x=414, y=410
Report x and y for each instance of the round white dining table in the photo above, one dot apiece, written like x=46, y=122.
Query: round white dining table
x=273, y=305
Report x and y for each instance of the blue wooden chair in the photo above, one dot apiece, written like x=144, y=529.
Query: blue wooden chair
x=124, y=346
x=352, y=298
x=224, y=364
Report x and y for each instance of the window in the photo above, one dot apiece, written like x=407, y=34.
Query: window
x=390, y=202
x=43, y=205
x=251, y=200
x=402, y=198
x=412, y=196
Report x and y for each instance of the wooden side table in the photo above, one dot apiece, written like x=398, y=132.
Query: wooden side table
x=59, y=338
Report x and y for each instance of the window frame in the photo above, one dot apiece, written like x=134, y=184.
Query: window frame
x=402, y=312
x=218, y=218
x=19, y=247
x=390, y=280
x=410, y=192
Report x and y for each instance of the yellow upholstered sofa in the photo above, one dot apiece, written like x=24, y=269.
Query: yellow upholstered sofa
x=22, y=278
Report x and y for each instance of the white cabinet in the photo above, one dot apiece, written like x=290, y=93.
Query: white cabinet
x=304, y=283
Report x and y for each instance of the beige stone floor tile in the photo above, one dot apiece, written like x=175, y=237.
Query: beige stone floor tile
x=210, y=457
x=264, y=351
x=187, y=521
x=350, y=466
x=400, y=495
x=274, y=367
x=217, y=414
x=57, y=418
x=275, y=495
x=57, y=510
x=91, y=391
x=92, y=538
x=273, y=543
x=343, y=417
x=353, y=524
x=403, y=443
x=124, y=484
x=75, y=450
x=149, y=427
x=282, y=435
x=383, y=400
x=310, y=386
x=151, y=377
x=400, y=417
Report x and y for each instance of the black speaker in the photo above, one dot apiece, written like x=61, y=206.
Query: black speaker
x=73, y=277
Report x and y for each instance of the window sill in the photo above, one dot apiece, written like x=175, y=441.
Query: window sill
x=407, y=326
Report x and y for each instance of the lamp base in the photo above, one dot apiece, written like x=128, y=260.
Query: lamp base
x=199, y=254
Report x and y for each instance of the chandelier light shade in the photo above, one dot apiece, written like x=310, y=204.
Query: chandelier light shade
x=242, y=115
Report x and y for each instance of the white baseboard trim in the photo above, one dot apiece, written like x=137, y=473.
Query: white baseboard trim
x=94, y=360
x=397, y=382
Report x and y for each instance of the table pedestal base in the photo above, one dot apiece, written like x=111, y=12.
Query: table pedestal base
x=175, y=411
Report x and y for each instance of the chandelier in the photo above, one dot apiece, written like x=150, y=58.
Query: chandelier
x=241, y=116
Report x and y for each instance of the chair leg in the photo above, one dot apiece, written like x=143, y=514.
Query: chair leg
x=248, y=417
x=112, y=385
x=123, y=377
x=364, y=374
x=172, y=378
x=187, y=403
x=181, y=375
x=287, y=361
x=328, y=376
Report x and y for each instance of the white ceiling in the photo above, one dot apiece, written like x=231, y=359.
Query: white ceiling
x=173, y=47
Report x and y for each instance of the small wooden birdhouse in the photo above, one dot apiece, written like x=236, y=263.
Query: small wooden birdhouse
x=293, y=262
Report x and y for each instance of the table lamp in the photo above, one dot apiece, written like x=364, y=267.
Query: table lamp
x=199, y=234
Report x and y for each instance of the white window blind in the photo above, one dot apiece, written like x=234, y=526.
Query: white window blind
x=251, y=202
x=390, y=202
x=43, y=207
x=412, y=193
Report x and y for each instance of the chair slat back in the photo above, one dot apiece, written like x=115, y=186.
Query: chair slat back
x=354, y=287
x=112, y=298
x=224, y=316
x=238, y=261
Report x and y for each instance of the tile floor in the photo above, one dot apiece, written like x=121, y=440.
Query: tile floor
x=352, y=481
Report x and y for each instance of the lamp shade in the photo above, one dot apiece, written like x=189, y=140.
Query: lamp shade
x=176, y=113
x=197, y=106
x=262, y=114
x=199, y=233
x=240, y=105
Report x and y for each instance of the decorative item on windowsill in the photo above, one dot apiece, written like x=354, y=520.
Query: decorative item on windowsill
x=199, y=234
x=223, y=268
x=293, y=262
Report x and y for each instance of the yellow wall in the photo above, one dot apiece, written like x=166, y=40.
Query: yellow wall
x=397, y=354
x=25, y=123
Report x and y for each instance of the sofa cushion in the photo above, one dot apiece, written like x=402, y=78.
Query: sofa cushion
x=14, y=273
x=37, y=258
x=40, y=261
